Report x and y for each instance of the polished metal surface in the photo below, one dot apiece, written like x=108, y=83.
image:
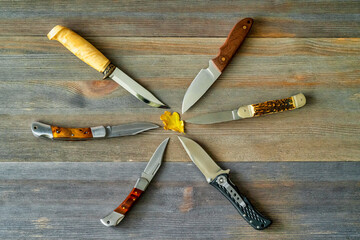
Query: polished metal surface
x=215, y=117
x=201, y=159
x=41, y=130
x=201, y=83
x=141, y=184
x=222, y=181
x=155, y=162
x=136, y=89
x=112, y=219
x=129, y=129
x=98, y=132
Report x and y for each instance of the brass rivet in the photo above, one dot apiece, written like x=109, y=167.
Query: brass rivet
x=223, y=59
x=135, y=192
x=123, y=207
x=244, y=27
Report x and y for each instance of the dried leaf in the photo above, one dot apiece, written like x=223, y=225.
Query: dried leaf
x=172, y=122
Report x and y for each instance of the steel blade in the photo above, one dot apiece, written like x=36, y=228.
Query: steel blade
x=155, y=161
x=136, y=89
x=201, y=159
x=215, y=117
x=128, y=129
x=201, y=83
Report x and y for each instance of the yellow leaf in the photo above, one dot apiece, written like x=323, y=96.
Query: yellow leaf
x=172, y=122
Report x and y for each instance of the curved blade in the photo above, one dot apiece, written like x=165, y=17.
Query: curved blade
x=201, y=159
x=201, y=83
x=136, y=89
x=215, y=117
x=155, y=161
x=128, y=129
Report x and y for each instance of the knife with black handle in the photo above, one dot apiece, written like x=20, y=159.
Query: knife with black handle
x=240, y=202
x=219, y=178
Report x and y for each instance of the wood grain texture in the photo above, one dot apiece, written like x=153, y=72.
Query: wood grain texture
x=301, y=168
x=234, y=40
x=284, y=18
x=304, y=200
x=129, y=201
x=71, y=133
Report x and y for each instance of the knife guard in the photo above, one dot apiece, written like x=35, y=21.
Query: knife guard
x=240, y=202
x=80, y=47
x=274, y=106
x=234, y=40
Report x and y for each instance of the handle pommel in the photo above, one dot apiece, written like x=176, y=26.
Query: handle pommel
x=80, y=47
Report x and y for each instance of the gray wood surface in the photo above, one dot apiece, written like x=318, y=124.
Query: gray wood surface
x=301, y=168
x=306, y=200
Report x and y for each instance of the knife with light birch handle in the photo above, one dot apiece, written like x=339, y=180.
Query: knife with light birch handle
x=253, y=110
x=94, y=58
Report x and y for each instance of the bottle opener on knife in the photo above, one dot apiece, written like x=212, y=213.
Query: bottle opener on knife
x=219, y=178
x=151, y=168
x=61, y=133
x=206, y=77
x=254, y=110
x=93, y=57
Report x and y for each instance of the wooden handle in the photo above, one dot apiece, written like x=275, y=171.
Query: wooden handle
x=71, y=133
x=233, y=42
x=80, y=47
x=125, y=206
x=274, y=106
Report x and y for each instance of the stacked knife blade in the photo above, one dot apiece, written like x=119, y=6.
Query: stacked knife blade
x=214, y=175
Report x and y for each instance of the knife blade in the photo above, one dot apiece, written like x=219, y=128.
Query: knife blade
x=61, y=133
x=93, y=57
x=253, y=110
x=147, y=175
x=219, y=178
x=206, y=77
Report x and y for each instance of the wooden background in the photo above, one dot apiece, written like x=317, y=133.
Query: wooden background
x=299, y=168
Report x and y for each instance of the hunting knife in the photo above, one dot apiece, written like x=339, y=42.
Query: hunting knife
x=93, y=57
x=151, y=168
x=219, y=178
x=253, y=110
x=206, y=77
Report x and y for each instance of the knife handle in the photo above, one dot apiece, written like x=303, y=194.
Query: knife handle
x=125, y=206
x=81, y=48
x=240, y=202
x=274, y=106
x=233, y=42
x=61, y=133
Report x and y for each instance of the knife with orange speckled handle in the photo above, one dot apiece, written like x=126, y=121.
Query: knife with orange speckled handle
x=62, y=133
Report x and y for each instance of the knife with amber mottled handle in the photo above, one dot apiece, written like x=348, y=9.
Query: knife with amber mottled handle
x=206, y=77
x=149, y=172
x=253, y=110
x=63, y=133
x=93, y=57
x=219, y=178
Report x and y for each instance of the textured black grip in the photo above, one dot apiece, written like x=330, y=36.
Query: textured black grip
x=240, y=202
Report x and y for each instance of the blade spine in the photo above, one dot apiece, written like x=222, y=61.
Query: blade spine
x=110, y=134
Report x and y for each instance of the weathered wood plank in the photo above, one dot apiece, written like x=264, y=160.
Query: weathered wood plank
x=66, y=200
x=174, y=18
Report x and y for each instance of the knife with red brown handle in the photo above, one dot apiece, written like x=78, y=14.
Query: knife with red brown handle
x=206, y=77
x=113, y=218
x=64, y=133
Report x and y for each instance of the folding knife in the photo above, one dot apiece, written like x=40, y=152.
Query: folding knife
x=61, y=133
x=151, y=168
x=93, y=57
x=206, y=77
x=253, y=110
x=219, y=178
